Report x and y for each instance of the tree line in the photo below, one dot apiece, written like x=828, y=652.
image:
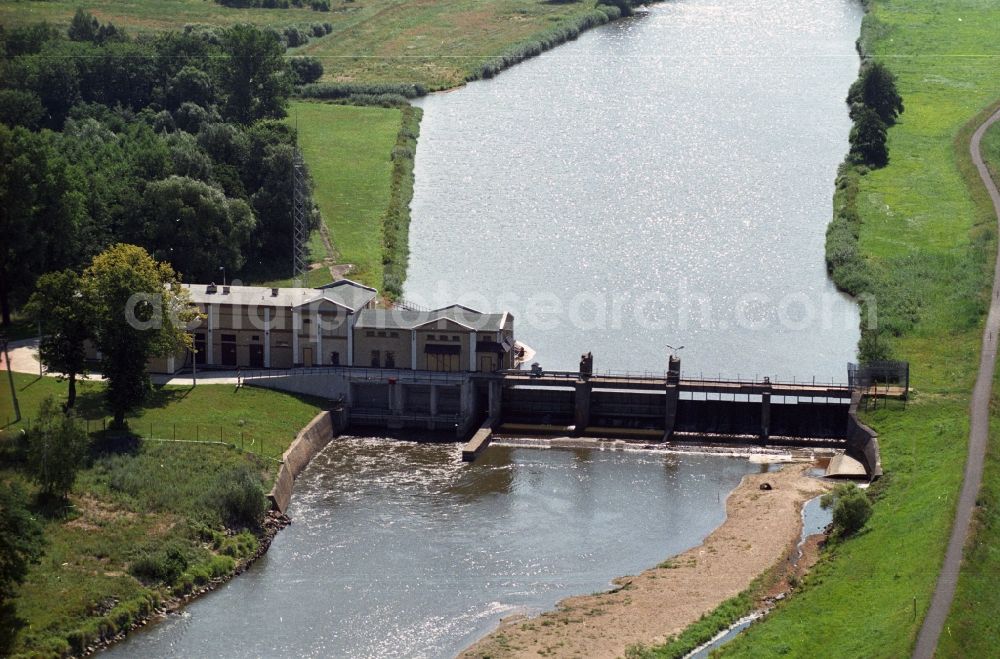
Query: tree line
x=170, y=142
x=875, y=105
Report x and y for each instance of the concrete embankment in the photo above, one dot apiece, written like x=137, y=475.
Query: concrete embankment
x=761, y=527
x=311, y=440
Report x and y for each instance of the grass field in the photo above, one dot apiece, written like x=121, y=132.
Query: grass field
x=136, y=497
x=928, y=236
x=437, y=43
x=972, y=628
x=349, y=153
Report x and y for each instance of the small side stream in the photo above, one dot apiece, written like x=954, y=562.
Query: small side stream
x=814, y=520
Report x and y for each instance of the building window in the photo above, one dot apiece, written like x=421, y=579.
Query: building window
x=369, y=333
x=229, y=338
x=390, y=359
x=430, y=337
x=335, y=358
x=456, y=338
x=255, y=338
x=376, y=361
x=394, y=335
x=381, y=333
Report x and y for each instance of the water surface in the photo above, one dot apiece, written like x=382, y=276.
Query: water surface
x=401, y=550
x=662, y=180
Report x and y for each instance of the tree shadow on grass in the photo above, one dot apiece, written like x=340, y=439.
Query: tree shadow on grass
x=165, y=395
x=116, y=441
x=50, y=506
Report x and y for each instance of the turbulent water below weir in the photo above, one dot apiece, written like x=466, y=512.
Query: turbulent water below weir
x=400, y=550
x=666, y=179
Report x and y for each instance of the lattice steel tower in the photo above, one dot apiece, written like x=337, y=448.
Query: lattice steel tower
x=300, y=221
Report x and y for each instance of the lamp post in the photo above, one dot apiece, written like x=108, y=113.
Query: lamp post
x=222, y=269
x=673, y=350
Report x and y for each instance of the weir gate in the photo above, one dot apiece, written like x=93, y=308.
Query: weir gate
x=647, y=407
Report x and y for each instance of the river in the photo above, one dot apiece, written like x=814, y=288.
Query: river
x=662, y=180
x=666, y=179
x=399, y=549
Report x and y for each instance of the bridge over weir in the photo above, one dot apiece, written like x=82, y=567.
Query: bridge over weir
x=650, y=407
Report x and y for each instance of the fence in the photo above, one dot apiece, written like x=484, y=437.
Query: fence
x=237, y=437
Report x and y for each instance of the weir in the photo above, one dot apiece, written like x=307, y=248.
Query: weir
x=652, y=408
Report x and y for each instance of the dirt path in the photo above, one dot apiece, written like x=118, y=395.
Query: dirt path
x=760, y=528
x=979, y=427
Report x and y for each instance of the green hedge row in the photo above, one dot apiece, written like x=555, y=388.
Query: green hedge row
x=396, y=224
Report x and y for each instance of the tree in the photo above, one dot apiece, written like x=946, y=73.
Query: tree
x=868, y=137
x=876, y=88
x=59, y=307
x=20, y=546
x=83, y=27
x=57, y=449
x=191, y=85
x=20, y=107
x=41, y=207
x=196, y=228
x=851, y=508
x=253, y=74
x=139, y=311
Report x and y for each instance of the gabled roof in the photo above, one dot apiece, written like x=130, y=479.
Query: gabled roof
x=344, y=293
x=408, y=319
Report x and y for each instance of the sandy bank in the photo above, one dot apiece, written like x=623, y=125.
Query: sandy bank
x=760, y=527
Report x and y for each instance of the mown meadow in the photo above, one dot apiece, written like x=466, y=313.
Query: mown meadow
x=361, y=161
x=143, y=523
x=437, y=44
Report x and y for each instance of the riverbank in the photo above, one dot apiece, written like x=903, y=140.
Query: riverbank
x=761, y=528
x=925, y=240
x=138, y=497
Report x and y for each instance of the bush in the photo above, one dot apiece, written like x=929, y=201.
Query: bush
x=239, y=499
x=342, y=90
x=851, y=508
x=162, y=565
x=306, y=69
x=295, y=37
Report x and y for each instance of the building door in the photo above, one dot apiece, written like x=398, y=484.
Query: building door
x=487, y=363
x=256, y=356
x=229, y=350
x=307, y=357
x=200, y=355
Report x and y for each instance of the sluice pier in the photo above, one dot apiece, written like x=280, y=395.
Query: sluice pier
x=652, y=408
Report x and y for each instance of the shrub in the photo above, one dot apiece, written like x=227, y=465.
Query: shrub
x=239, y=499
x=851, y=508
x=306, y=69
x=295, y=37
x=161, y=565
x=341, y=90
